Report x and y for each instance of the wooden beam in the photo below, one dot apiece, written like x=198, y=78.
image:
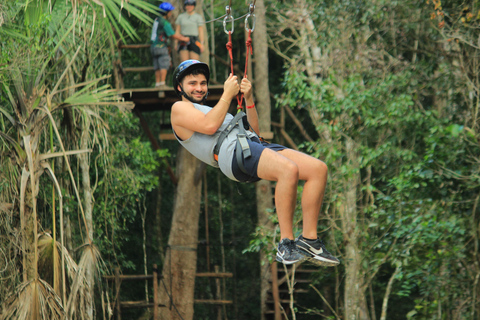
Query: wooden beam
x=213, y=301
x=214, y=274
x=125, y=277
x=133, y=46
x=137, y=69
x=139, y=304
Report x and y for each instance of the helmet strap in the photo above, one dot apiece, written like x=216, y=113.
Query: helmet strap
x=190, y=99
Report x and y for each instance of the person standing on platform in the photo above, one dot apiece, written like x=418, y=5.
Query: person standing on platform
x=161, y=31
x=190, y=24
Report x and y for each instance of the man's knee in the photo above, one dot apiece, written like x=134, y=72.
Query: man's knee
x=323, y=167
x=320, y=168
x=291, y=169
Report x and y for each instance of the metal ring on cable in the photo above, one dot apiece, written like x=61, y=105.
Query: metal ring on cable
x=226, y=19
x=251, y=14
x=246, y=22
x=229, y=17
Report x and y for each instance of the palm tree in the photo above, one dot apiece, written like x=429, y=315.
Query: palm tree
x=47, y=77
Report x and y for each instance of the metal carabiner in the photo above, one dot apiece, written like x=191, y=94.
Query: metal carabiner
x=226, y=19
x=250, y=14
x=246, y=22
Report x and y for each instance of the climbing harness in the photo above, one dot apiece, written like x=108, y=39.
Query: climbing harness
x=242, y=149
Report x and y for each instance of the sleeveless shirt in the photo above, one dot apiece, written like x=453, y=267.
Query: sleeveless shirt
x=202, y=145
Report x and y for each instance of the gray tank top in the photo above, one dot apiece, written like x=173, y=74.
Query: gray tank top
x=202, y=145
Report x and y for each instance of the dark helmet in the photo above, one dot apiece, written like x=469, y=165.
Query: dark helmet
x=188, y=67
x=165, y=7
x=189, y=2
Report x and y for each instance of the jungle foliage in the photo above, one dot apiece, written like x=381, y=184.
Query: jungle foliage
x=389, y=91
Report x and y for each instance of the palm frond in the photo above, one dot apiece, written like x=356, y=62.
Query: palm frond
x=34, y=299
x=113, y=10
x=18, y=149
x=45, y=156
x=5, y=207
x=80, y=298
x=49, y=268
x=12, y=32
x=8, y=116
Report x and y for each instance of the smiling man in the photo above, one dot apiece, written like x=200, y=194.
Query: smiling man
x=231, y=143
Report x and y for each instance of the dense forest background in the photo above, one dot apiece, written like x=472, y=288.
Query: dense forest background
x=388, y=96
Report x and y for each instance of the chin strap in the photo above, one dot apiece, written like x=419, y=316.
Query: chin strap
x=190, y=99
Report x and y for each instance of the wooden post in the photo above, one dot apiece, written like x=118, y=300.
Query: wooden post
x=118, y=68
x=155, y=292
x=275, y=293
x=117, y=292
x=219, y=294
x=205, y=199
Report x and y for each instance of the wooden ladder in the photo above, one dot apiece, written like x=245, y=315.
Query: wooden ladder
x=119, y=305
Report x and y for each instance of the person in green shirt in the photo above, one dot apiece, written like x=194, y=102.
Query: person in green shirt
x=190, y=24
x=161, y=31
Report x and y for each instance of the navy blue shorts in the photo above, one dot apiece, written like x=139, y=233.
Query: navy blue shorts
x=251, y=163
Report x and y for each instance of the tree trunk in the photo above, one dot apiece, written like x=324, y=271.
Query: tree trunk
x=355, y=301
x=29, y=262
x=263, y=187
x=181, y=255
x=88, y=208
x=205, y=55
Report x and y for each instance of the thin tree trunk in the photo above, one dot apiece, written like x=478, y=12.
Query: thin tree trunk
x=180, y=265
x=88, y=208
x=387, y=293
x=355, y=301
x=262, y=97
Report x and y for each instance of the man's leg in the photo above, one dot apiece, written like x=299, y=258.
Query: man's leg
x=314, y=172
x=273, y=166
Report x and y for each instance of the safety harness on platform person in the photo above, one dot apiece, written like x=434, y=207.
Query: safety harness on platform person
x=242, y=149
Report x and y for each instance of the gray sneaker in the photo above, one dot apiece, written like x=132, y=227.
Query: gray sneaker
x=287, y=252
x=316, y=252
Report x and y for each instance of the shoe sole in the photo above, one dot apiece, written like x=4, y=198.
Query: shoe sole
x=318, y=260
x=287, y=262
x=323, y=263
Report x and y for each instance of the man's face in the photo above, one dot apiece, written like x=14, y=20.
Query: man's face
x=195, y=87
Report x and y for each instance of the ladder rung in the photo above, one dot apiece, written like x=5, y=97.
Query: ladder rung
x=213, y=301
x=138, y=304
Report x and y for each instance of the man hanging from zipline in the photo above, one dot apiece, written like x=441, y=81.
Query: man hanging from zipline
x=230, y=143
